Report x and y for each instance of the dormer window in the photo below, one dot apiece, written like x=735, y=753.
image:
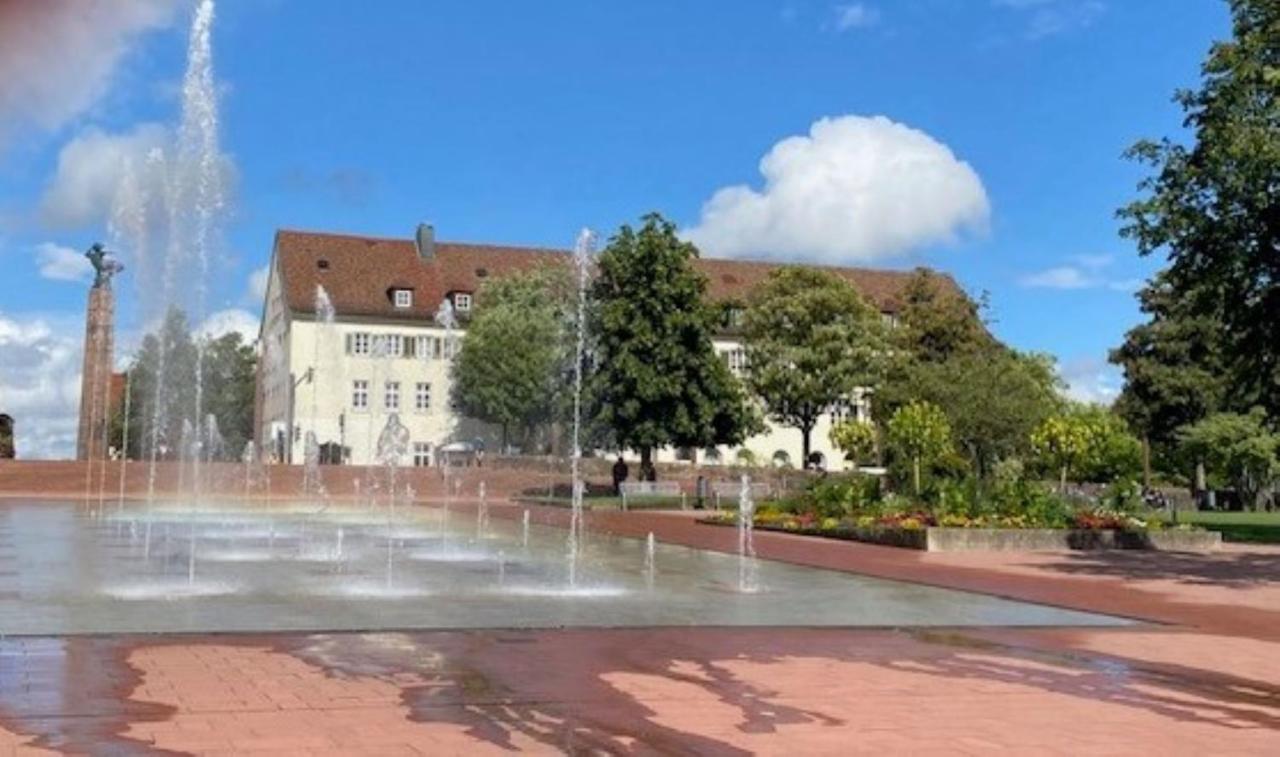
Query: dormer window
x=403, y=298
x=462, y=302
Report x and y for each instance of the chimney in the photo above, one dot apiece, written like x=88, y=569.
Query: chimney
x=425, y=240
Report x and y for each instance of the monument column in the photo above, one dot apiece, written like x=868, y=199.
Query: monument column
x=95, y=378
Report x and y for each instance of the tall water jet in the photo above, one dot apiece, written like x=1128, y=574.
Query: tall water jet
x=325, y=316
x=312, y=484
x=747, y=582
x=393, y=446
x=524, y=530
x=446, y=318
x=650, y=560
x=198, y=152
x=124, y=436
x=482, y=511
x=249, y=458
x=582, y=254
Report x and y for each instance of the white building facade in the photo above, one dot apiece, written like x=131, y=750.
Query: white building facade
x=385, y=351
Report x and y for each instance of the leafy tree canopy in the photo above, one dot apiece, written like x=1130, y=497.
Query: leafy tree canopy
x=162, y=389
x=657, y=380
x=855, y=438
x=938, y=321
x=919, y=431
x=1238, y=448
x=811, y=340
x=1173, y=366
x=515, y=352
x=993, y=399
x=1213, y=207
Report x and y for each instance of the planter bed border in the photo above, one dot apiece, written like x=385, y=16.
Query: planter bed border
x=941, y=539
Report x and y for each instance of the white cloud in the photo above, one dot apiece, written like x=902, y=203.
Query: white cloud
x=855, y=189
x=91, y=168
x=1048, y=18
x=59, y=56
x=1091, y=379
x=62, y=263
x=1086, y=272
x=1059, y=277
x=40, y=383
x=231, y=320
x=258, y=280
x=855, y=16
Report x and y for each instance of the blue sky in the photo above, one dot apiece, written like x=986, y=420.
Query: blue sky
x=998, y=157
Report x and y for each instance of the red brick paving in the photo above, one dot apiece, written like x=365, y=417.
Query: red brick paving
x=1207, y=682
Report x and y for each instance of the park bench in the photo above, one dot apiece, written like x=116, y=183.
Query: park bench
x=650, y=490
x=732, y=491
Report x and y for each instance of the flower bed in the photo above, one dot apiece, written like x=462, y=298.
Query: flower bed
x=929, y=538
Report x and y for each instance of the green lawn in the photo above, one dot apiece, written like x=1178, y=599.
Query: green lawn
x=1260, y=527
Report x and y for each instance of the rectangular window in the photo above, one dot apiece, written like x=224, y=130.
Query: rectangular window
x=404, y=298
x=422, y=347
x=391, y=396
x=450, y=349
x=462, y=302
x=360, y=343
x=359, y=394
x=422, y=397
x=737, y=359
x=393, y=344
x=421, y=454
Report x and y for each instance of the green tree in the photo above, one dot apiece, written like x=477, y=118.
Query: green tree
x=230, y=372
x=1114, y=452
x=937, y=320
x=1063, y=442
x=994, y=398
x=1213, y=207
x=162, y=388
x=514, y=354
x=855, y=438
x=1237, y=448
x=811, y=340
x=919, y=431
x=657, y=380
x=1173, y=368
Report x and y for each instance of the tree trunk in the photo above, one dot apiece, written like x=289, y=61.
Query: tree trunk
x=915, y=473
x=805, y=431
x=503, y=451
x=647, y=471
x=1062, y=481
x=1146, y=462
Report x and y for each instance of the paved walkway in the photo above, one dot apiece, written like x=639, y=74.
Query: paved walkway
x=1203, y=678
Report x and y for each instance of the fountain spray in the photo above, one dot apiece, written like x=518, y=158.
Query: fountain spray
x=582, y=254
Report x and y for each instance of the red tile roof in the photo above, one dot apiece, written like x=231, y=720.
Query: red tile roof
x=359, y=272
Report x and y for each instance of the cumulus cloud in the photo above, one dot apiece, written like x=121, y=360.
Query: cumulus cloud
x=1091, y=379
x=58, y=57
x=61, y=263
x=1085, y=272
x=855, y=189
x=91, y=168
x=855, y=16
x=40, y=383
x=224, y=322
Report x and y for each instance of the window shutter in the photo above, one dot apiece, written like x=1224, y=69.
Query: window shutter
x=349, y=339
x=409, y=344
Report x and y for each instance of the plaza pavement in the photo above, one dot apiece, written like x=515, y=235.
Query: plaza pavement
x=1200, y=676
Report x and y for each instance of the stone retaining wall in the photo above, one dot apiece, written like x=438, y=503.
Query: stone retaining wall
x=937, y=539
